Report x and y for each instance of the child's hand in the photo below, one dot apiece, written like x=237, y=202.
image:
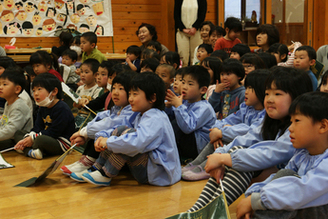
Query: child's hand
x=172, y=99
x=218, y=173
x=100, y=144
x=217, y=160
x=167, y=104
x=78, y=71
x=215, y=135
x=244, y=208
x=221, y=86
x=80, y=83
x=82, y=102
x=19, y=145
x=128, y=60
x=217, y=144
x=76, y=138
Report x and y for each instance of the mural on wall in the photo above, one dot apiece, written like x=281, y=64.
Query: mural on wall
x=34, y=18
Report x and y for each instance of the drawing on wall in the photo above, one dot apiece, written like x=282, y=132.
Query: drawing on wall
x=35, y=18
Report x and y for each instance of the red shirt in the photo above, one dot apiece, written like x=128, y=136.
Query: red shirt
x=54, y=72
x=225, y=45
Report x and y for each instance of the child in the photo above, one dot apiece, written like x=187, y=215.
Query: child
x=103, y=121
x=178, y=81
x=43, y=62
x=232, y=28
x=299, y=190
x=204, y=50
x=221, y=54
x=166, y=72
x=268, y=59
x=155, y=45
x=281, y=51
x=193, y=117
x=54, y=124
x=213, y=66
x=304, y=58
x=133, y=58
x=265, y=146
x=149, y=53
x=251, y=61
x=90, y=89
x=103, y=76
x=216, y=33
x=228, y=94
x=149, y=65
x=69, y=58
x=88, y=47
x=75, y=45
x=171, y=58
x=238, y=50
x=149, y=151
x=65, y=39
x=324, y=83
x=249, y=116
x=17, y=115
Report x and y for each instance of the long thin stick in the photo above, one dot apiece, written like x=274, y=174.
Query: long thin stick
x=90, y=109
x=5, y=150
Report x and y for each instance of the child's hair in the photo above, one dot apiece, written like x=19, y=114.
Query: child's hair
x=207, y=47
x=221, y=54
x=310, y=51
x=170, y=68
x=256, y=80
x=292, y=81
x=271, y=31
x=156, y=45
x=49, y=82
x=108, y=65
x=280, y=49
x=149, y=53
x=180, y=71
x=234, y=66
x=172, y=58
x=29, y=70
x=135, y=50
x=241, y=49
x=45, y=58
x=72, y=54
x=219, y=31
x=324, y=79
x=254, y=59
x=233, y=24
x=268, y=59
x=7, y=62
x=199, y=74
x=151, y=63
x=215, y=65
x=66, y=38
x=118, y=68
x=76, y=40
x=93, y=64
x=152, y=85
x=90, y=37
x=313, y=105
x=16, y=76
x=125, y=79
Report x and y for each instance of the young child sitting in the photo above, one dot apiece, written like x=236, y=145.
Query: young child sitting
x=166, y=72
x=228, y=94
x=69, y=58
x=146, y=147
x=193, y=117
x=178, y=81
x=149, y=53
x=299, y=190
x=204, y=50
x=149, y=65
x=251, y=61
x=54, y=124
x=238, y=50
x=102, y=77
x=17, y=115
x=281, y=51
x=88, y=46
x=155, y=45
x=323, y=87
x=133, y=57
x=213, y=66
x=171, y=58
x=305, y=57
x=233, y=28
x=65, y=39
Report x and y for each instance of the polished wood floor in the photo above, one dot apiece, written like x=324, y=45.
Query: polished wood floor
x=60, y=197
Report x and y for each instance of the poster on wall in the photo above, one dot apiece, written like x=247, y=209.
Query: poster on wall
x=42, y=18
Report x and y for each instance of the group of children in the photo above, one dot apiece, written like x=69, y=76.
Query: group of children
x=232, y=119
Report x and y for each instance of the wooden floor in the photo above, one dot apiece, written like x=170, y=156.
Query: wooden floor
x=60, y=197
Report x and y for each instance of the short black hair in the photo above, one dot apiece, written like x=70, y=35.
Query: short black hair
x=157, y=45
x=310, y=51
x=45, y=58
x=93, y=65
x=215, y=65
x=149, y=53
x=207, y=47
x=241, y=49
x=323, y=79
x=199, y=74
x=268, y=59
x=170, y=68
x=124, y=79
x=151, y=63
x=29, y=70
x=221, y=54
x=256, y=80
x=272, y=32
x=233, y=24
x=254, y=59
x=76, y=40
x=135, y=50
x=279, y=49
x=66, y=37
x=151, y=29
x=108, y=65
x=218, y=30
x=72, y=54
x=7, y=62
x=172, y=58
x=235, y=67
x=49, y=82
x=313, y=105
x=151, y=84
x=16, y=76
x=118, y=68
x=90, y=37
x=180, y=71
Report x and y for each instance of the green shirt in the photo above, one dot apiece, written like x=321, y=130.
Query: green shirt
x=95, y=54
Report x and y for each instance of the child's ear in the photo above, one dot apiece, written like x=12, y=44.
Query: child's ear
x=323, y=126
x=18, y=89
x=153, y=99
x=175, y=65
x=312, y=62
x=93, y=45
x=203, y=90
x=283, y=56
x=226, y=30
x=54, y=92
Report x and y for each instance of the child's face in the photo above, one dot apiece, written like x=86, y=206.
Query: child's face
x=66, y=60
x=190, y=89
x=8, y=90
x=102, y=77
x=248, y=68
x=204, y=32
x=86, y=46
x=210, y=71
x=324, y=86
x=87, y=76
x=40, y=68
x=213, y=38
x=202, y=54
x=302, y=60
x=177, y=84
x=232, y=35
x=111, y=78
x=277, y=102
x=40, y=93
x=131, y=56
x=230, y=78
x=262, y=39
x=251, y=99
x=235, y=55
x=163, y=73
x=119, y=95
x=138, y=101
x=2, y=69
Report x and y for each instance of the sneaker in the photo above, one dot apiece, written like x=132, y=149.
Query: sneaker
x=77, y=176
x=74, y=168
x=194, y=176
x=96, y=178
x=188, y=167
x=37, y=154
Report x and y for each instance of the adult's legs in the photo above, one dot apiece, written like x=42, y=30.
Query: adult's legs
x=195, y=41
x=183, y=47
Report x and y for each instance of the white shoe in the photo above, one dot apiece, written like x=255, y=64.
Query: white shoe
x=77, y=176
x=96, y=178
x=74, y=168
x=37, y=154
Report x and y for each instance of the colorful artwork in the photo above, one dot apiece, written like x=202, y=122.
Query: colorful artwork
x=34, y=18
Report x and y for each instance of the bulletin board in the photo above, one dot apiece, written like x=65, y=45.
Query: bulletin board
x=42, y=18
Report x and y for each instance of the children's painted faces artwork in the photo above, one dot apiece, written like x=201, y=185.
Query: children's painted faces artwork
x=35, y=18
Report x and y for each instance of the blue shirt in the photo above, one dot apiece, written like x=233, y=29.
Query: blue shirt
x=314, y=80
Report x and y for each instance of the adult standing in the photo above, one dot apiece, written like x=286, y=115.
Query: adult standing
x=188, y=15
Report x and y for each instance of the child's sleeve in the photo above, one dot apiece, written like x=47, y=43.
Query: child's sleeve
x=215, y=101
x=234, y=118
